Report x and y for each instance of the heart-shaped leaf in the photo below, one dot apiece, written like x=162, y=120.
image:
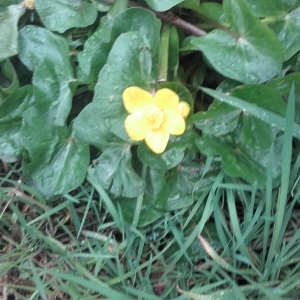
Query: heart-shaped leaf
x=145, y=22
x=287, y=31
x=128, y=64
x=59, y=170
x=61, y=15
x=113, y=170
x=250, y=53
x=36, y=43
x=220, y=119
x=241, y=159
x=178, y=187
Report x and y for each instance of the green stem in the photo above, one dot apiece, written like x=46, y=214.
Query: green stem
x=164, y=53
x=139, y=201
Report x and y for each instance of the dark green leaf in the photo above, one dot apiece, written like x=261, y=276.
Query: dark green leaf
x=113, y=170
x=243, y=159
x=11, y=114
x=59, y=170
x=272, y=8
x=145, y=22
x=169, y=159
x=178, y=187
x=9, y=82
x=250, y=53
x=94, y=56
x=128, y=64
x=9, y=18
x=220, y=119
x=37, y=43
x=61, y=15
x=261, y=96
x=283, y=86
x=273, y=119
x=53, y=96
x=287, y=31
x=91, y=128
x=38, y=135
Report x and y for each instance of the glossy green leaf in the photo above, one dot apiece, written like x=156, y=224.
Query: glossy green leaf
x=169, y=159
x=128, y=64
x=243, y=54
x=37, y=43
x=272, y=8
x=113, y=170
x=95, y=52
x=283, y=18
x=146, y=23
x=283, y=86
x=220, y=119
x=39, y=135
x=178, y=187
x=273, y=119
x=61, y=15
x=9, y=18
x=9, y=82
x=59, y=170
x=11, y=114
x=262, y=96
x=162, y=5
x=52, y=92
x=243, y=159
x=91, y=128
x=287, y=31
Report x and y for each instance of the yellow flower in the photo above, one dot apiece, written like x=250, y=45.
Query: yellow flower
x=29, y=4
x=154, y=118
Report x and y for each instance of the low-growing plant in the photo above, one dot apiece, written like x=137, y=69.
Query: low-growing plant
x=180, y=115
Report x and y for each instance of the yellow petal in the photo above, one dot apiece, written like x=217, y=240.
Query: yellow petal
x=174, y=122
x=134, y=126
x=135, y=98
x=166, y=99
x=157, y=140
x=184, y=108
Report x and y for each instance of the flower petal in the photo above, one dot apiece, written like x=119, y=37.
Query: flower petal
x=184, y=108
x=157, y=140
x=135, y=98
x=134, y=126
x=174, y=122
x=166, y=99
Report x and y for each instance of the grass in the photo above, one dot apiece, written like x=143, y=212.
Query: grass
x=236, y=242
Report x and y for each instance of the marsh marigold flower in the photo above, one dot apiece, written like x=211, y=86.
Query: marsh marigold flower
x=154, y=118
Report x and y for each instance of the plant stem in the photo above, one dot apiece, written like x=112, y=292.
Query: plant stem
x=164, y=53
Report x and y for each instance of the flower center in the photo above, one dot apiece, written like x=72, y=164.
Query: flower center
x=154, y=116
